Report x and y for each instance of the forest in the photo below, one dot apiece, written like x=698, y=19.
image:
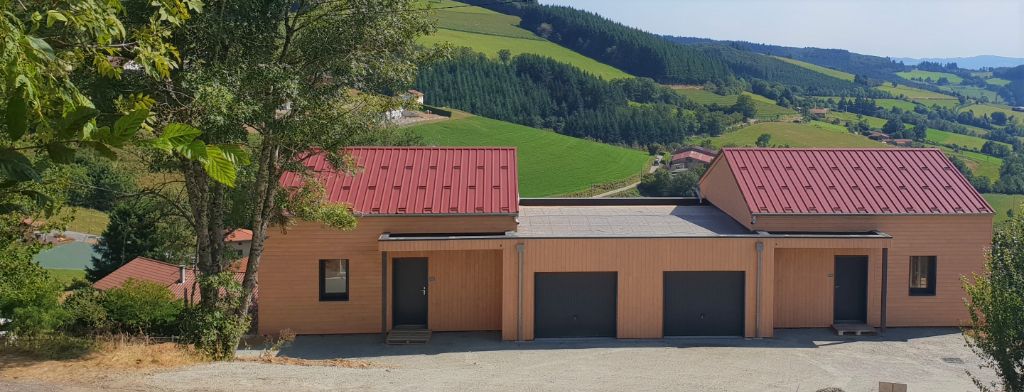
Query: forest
x=543, y=93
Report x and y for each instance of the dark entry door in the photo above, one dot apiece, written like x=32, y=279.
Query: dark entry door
x=575, y=304
x=409, y=298
x=704, y=303
x=851, y=296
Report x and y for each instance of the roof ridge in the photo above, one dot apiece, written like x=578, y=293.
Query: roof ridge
x=830, y=149
x=144, y=258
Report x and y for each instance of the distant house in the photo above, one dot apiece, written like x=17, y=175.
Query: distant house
x=819, y=112
x=415, y=95
x=879, y=136
x=690, y=158
x=902, y=142
x=239, y=239
x=1018, y=108
x=179, y=279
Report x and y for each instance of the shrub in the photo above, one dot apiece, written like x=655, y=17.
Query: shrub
x=85, y=313
x=29, y=296
x=140, y=307
x=212, y=326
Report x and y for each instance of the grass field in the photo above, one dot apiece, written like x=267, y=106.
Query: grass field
x=765, y=106
x=936, y=136
x=817, y=68
x=813, y=134
x=549, y=163
x=925, y=97
x=66, y=276
x=974, y=92
x=997, y=81
x=488, y=32
x=989, y=108
x=1002, y=203
x=953, y=79
x=88, y=220
x=895, y=103
x=980, y=164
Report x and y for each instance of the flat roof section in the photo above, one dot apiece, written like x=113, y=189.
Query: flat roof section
x=626, y=221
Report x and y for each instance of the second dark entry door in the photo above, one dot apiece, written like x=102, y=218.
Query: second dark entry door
x=851, y=296
x=409, y=297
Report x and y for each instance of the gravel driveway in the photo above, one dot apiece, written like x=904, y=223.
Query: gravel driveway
x=796, y=360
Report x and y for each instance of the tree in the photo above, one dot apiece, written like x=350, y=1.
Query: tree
x=745, y=105
x=995, y=300
x=893, y=126
x=920, y=132
x=289, y=81
x=764, y=140
x=504, y=55
x=140, y=228
x=998, y=118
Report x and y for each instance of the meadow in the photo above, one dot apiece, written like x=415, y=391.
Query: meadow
x=812, y=134
x=989, y=108
x=817, y=68
x=974, y=92
x=936, y=136
x=980, y=164
x=895, y=103
x=88, y=220
x=488, y=32
x=765, y=107
x=549, y=163
x=918, y=74
x=1003, y=203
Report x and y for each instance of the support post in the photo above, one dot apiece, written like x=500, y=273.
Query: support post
x=519, y=294
x=757, y=311
x=384, y=292
x=885, y=289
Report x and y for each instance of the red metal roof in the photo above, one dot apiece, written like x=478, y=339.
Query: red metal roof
x=421, y=180
x=852, y=181
x=161, y=273
x=693, y=154
x=239, y=235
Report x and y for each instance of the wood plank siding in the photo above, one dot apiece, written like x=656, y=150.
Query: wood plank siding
x=288, y=276
x=958, y=241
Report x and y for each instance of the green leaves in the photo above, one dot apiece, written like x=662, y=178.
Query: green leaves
x=220, y=162
x=72, y=123
x=16, y=166
x=17, y=114
x=127, y=126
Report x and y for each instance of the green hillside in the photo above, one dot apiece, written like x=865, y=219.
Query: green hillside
x=895, y=103
x=765, y=107
x=918, y=74
x=1003, y=203
x=488, y=32
x=817, y=68
x=549, y=163
x=989, y=108
x=813, y=134
x=925, y=97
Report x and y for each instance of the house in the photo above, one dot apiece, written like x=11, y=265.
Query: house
x=818, y=112
x=179, y=279
x=414, y=96
x=690, y=158
x=879, y=136
x=901, y=142
x=780, y=238
x=239, y=240
x=1018, y=108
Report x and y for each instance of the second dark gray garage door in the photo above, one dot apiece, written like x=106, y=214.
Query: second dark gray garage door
x=574, y=304
x=704, y=303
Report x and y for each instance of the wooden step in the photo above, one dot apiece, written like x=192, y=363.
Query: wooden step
x=854, y=329
x=408, y=336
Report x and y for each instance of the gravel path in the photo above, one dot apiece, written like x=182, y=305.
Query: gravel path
x=797, y=360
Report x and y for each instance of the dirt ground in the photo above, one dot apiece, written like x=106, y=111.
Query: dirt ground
x=796, y=360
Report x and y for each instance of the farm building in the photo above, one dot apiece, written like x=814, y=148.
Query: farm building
x=879, y=136
x=818, y=112
x=781, y=238
x=690, y=158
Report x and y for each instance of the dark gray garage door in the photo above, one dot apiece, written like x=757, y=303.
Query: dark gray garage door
x=574, y=304
x=704, y=303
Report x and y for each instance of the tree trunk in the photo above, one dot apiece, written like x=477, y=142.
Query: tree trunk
x=266, y=186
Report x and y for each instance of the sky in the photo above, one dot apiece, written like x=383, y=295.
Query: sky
x=894, y=28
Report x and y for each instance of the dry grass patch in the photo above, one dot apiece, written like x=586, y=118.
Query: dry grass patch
x=269, y=358
x=107, y=359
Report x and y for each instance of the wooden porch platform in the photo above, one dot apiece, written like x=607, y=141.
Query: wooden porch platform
x=854, y=329
x=408, y=334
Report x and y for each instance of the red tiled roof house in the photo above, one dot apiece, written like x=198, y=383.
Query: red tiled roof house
x=780, y=238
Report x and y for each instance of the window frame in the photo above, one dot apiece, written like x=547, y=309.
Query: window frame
x=930, y=290
x=331, y=297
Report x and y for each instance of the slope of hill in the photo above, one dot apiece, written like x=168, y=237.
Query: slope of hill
x=1002, y=204
x=846, y=61
x=549, y=163
x=488, y=32
x=817, y=68
x=973, y=62
x=766, y=108
x=644, y=54
x=812, y=134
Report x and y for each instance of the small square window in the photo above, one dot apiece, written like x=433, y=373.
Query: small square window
x=334, y=280
x=922, y=275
